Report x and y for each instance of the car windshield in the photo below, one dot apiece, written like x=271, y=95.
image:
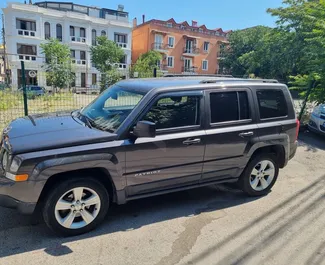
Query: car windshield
x=111, y=108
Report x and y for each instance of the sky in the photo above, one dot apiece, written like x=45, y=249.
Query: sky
x=225, y=14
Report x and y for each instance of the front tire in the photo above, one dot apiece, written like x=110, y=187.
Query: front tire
x=76, y=206
x=260, y=175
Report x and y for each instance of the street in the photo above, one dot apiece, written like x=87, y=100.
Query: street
x=211, y=225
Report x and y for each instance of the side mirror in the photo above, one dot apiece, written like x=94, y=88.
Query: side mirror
x=145, y=129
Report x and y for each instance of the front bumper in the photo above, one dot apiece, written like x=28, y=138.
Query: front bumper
x=10, y=193
x=317, y=124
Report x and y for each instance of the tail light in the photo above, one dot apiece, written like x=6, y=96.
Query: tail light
x=297, y=129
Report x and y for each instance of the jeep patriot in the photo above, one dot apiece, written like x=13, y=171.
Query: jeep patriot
x=145, y=137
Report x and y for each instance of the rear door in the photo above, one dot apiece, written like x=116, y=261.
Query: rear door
x=231, y=131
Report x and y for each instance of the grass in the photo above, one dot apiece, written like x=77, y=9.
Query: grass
x=12, y=104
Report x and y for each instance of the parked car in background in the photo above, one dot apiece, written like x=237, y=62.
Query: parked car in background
x=317, y=120
x=34, y=91
x=2, y=86
x=146, y=137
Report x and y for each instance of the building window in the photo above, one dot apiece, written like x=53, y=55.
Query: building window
x=206, y=46
x=72, y=53
x=200, y=30
x=205, y=65
x=83, y=79
x=26, y=49
x=171, y=41
x=124, y=59
x=59, y=32
x=93, y=37
x=103, y=33
x=82, y=55
x=121, y=38
x=272, y=104
x=94, y=79
x=72, y=31
x=170, y=61
x=169, y=25
x=25, y=25
x=82, y=33
x=229, y=106
x=47, y=30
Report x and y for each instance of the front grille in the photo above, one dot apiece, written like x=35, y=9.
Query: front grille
x=322, y=116
x=322, y=127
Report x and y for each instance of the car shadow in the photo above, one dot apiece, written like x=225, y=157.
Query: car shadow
x=311, y=141
x=133, y=215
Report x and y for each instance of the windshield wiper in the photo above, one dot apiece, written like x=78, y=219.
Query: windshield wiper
x=88, y=121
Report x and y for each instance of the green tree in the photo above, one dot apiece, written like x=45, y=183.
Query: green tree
x=305, y=20
x=105, y=56
x=146, y=63
x=57, y=64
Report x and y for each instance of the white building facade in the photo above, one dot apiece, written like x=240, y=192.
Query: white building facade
x=27, y=26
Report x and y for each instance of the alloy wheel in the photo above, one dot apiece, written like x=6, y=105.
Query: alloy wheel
x=77, y=208
x=262, y=175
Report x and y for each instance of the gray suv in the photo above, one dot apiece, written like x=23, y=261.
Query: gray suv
x=146, y=137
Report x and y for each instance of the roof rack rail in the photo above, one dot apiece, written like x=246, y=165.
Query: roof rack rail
x=207, y=81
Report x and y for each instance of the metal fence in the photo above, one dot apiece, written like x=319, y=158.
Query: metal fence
x=12, y=103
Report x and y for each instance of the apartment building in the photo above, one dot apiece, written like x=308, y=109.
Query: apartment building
x=185, y=48
x=28, y=25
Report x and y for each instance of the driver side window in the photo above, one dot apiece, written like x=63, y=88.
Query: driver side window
x=174, y=112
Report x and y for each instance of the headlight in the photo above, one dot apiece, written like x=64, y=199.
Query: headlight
x=4, y=161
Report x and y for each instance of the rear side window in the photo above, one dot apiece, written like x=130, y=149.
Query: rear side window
x=271, y=104
x=229, y=106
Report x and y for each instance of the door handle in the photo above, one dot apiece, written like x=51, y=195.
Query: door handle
x=192, y=141
x=246, y=134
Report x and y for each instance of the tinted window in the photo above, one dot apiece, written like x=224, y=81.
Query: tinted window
x=272, y=104
x=173, y=112
x=36, y=88
x=229, y=106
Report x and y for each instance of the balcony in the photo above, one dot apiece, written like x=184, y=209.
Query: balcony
x=221, y=55
x=122, y=45
x=25, y=57
x=162, y=68
x=189, y=70
x=78, y=62
x=78, y=39
x=29, y=33
x=191, y=51
x=160, y=47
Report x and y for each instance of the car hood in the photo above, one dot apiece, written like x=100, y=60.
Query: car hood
x=50, y=131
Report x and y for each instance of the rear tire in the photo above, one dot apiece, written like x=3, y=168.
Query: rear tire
x=259, y=175
x=76, y=206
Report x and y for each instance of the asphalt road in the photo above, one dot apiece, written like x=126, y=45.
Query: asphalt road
x=212, y=225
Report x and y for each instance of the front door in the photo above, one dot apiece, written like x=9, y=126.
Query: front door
x=175, y=156
x=230, y=134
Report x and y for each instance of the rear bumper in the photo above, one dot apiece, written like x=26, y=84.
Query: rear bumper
x=293, y=149
x=11, y=194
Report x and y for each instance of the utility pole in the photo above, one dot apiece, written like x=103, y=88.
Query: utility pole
x=4, y=49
